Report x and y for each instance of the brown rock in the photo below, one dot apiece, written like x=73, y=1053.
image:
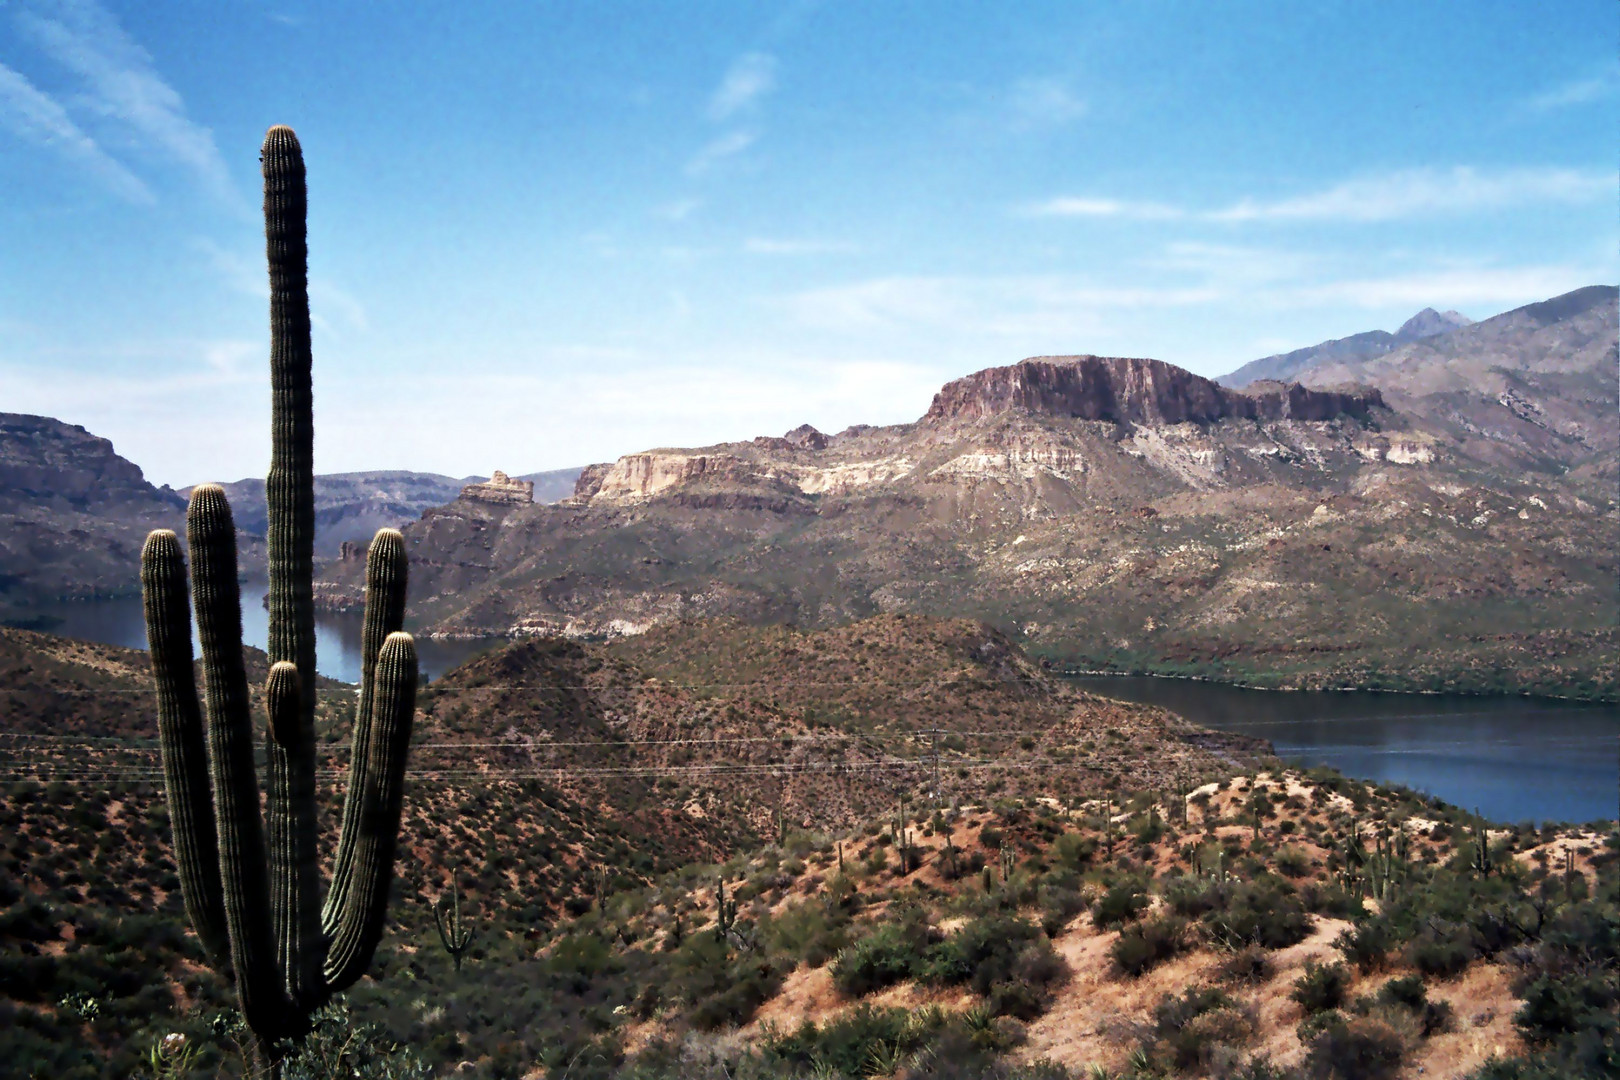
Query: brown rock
x=1133, y=391
x=501, y=490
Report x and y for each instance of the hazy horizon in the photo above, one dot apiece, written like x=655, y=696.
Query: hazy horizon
x=541, y=238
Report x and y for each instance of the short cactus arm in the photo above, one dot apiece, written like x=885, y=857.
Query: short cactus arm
x=217, y=599
x=185, y=751
x=291, y=828
x=382, y=794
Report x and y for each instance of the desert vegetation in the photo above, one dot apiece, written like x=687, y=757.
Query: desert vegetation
x=1144, y=935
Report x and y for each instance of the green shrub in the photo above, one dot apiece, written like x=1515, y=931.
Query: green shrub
x=897, y=950
x=1189, y=1030
x=1006, y=959
x=1292, y=862
x=1146, y=944
x=1122, y=903
x=1073, y=850
x=1249, y=964
x=1442, y=950
x=1058, y=907
x=1321, y=987
x=1357, y=1048
x=1259, y=913
x=1367, y=944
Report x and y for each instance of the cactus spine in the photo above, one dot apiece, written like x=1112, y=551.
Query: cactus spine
x=251, y=884
x=454, y=931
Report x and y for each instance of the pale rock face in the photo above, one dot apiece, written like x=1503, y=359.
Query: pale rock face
x=1409, y=452
x=1397, y=450
x=839, y=479
x=642, y=476
x=1021, y=463
x=1180, y=453
x=647, y=475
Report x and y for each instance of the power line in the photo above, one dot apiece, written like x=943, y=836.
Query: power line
x=88, y=774
x=543, y=743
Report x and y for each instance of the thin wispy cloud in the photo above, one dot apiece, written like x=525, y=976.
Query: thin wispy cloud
x=1055, y=307
x=1083, y=206
x=749, y=79
x=719, y=149
x=1419, y=192
x=677, y=210
x=1043, y=103
x=1583, y=91
x=1459, y=287
x=1054, y=311
x=761, y=245
x=32, y=114
x=124, y=86
x=1404, y=194
x=333, y=309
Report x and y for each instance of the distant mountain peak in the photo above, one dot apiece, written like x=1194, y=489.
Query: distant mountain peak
x=1430, y=323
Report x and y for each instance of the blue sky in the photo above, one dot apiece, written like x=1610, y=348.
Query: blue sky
x=547, y=234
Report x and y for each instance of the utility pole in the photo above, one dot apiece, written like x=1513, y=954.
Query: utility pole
x=936, y=733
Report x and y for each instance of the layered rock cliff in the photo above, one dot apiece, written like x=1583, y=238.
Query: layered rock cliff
x=1111, y=512
x=73, y=514
x=1133, y=391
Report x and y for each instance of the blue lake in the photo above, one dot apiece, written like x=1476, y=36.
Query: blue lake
x=1512, y=758
x=337, y=636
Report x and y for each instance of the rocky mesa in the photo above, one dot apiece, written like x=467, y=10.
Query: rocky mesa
x=1109, y=513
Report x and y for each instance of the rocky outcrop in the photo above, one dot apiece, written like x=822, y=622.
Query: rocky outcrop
x=1132, y=391
x=590, y=481
x=500, y=490
x=73, y=514
x=351, y=506
x=44, y=461
x=639, y=476
x=806, y=437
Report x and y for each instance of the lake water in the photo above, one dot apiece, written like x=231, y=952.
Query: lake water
x=1512, y=758
x=337, y=637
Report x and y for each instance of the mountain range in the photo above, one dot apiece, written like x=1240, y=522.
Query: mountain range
x=1371, y=343
x=1447, y=527
x=1437, y=513
x=74, y=513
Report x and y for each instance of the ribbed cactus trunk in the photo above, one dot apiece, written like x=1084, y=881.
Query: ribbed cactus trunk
x=251, y=884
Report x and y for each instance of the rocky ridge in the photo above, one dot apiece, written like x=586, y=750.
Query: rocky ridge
x=1111, y=513
x=73, y=514
x=1290, y=365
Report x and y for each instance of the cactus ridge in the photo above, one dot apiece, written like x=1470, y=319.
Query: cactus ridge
x=251, y=883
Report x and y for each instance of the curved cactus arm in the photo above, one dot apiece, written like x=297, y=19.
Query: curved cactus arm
x=217, y=599
x=381, y=785
x=386, y=574
x=185, y=752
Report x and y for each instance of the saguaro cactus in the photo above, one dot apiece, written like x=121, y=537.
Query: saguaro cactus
x=251, y=884
x=455, y=932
